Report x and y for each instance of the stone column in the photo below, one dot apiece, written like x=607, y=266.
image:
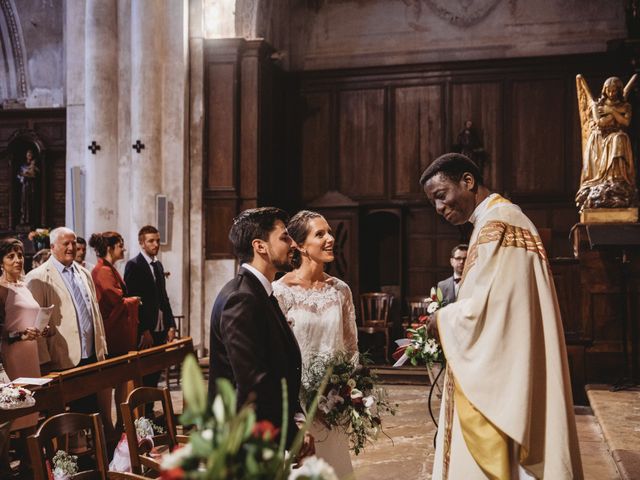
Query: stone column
x=101, y=115
x=147, y=51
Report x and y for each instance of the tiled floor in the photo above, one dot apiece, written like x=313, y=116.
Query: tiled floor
x=407, y=452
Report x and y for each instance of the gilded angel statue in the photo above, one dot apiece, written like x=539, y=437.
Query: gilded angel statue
x=608, y=178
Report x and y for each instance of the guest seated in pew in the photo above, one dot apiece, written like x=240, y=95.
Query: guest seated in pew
x=77, y=332
x=18, y=347
x=119, y=311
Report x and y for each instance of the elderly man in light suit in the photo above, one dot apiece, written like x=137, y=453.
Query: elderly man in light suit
x=77, y=333
x=451, y=285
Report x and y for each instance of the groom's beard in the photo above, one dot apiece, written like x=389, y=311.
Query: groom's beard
x=283, y=266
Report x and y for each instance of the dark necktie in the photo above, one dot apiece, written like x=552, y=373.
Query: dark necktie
x=156, y=273
x=457, y=280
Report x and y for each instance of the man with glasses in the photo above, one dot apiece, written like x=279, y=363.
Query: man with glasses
x=451, y=285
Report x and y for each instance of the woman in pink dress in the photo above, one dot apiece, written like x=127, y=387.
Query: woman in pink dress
x=18, y=349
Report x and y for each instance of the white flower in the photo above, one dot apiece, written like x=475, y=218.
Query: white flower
x=267, y=454
x=218, y=409
x=207, y=434
x=175, y=458
x=315, y=468
x=369, y=401
x=432, y=308
x=355, y=393
x=323, y=404
x=351, y=383
x=334, y=397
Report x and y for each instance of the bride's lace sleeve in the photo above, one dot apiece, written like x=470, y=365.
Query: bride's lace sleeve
x=349, y=327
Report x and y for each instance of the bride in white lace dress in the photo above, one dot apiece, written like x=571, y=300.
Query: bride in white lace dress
x=320, y=310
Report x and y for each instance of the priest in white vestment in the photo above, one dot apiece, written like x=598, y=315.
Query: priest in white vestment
x=507, y=410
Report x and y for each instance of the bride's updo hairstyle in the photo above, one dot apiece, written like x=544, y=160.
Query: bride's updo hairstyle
x=100, y=242
x=298, y=228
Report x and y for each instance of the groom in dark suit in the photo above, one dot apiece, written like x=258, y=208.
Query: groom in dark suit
x=251, y=343
x=144, y=277
x=451, y=285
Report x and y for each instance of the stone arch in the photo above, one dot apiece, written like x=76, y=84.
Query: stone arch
x=13, y=60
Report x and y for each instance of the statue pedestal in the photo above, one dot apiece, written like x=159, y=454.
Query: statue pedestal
x=609, y=215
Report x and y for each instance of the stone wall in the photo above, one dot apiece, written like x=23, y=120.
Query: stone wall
x=32, y=53
x=354, y=33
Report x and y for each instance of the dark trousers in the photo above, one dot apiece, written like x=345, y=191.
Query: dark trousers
x=151, y=380
x=88, y=404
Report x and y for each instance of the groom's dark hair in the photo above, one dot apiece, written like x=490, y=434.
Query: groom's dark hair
x=251, y=224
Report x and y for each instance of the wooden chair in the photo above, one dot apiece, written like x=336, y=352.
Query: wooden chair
x=54, y=434
x=374, y=315
x=417, y=307
x=140, y=455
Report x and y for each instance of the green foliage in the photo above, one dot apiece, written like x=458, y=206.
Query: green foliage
x=228, y=444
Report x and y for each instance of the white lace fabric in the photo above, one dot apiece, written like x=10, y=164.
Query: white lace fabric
x=323, y=320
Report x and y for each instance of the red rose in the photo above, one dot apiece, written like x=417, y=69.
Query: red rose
x=265, y=430
x=176, y=473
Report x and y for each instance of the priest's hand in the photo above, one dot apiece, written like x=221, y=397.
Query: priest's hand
x=432, y=327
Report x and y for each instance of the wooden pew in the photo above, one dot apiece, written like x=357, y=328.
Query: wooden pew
x=79, y=382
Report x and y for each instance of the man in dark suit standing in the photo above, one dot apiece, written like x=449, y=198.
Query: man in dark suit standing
x=145, y=278
x=251, y=343
x=451, y=285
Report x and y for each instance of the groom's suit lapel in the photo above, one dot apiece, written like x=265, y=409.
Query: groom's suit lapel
x=278, y=317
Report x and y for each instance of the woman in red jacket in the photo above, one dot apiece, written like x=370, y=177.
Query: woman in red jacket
x=119, y=312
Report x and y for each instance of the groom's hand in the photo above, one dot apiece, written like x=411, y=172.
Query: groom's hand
x=308, y=447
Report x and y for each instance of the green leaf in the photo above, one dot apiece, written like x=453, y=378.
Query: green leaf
x=439, y=295
x=193, y=387
x=228, y=395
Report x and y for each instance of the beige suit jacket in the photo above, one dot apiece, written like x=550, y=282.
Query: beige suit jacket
x=63, y=348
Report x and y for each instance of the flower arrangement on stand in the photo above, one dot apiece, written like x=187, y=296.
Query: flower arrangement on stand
x=40, y=238
x=419, y=348
x=230, y=444
x=12, y=397
x=351, y=400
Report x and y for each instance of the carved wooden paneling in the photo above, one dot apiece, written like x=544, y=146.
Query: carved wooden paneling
x=346, y=266
x=219, y=215
x=482, y=103
x=221, y=126
x=316, y=145
x=538, y=131
x=418, y=134
x=243, y=136
x=362, y=143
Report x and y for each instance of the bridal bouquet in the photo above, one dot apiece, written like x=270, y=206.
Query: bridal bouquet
x=15, y=397
x=419, y=347
x=350, y=400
